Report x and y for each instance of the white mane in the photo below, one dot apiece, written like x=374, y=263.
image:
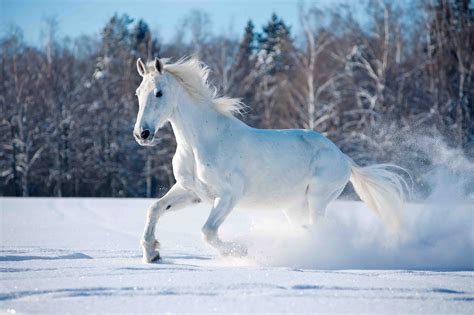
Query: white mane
x=193, y=75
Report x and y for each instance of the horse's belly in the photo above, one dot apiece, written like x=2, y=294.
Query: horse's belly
x=268, y=201
x=277, y=176
x=280, y=193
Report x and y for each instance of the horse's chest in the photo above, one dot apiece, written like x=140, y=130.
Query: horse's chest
x=189, y=173
x=183, y=169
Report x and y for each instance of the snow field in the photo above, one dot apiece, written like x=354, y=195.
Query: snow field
x=82, y=255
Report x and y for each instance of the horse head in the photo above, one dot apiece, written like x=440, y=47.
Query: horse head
x=155, y=99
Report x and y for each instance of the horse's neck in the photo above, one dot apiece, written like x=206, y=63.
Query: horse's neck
x=197, y=125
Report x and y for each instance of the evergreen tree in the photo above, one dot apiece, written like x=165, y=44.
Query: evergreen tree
x=274, y=48
x=244, y=67
x=247, y=45
x=141, y=39
x=274, y=65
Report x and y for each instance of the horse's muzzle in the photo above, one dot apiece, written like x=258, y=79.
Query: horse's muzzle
x=145, y=138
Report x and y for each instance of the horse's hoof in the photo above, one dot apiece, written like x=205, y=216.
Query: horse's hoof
x=153, y=257
x=156, y=258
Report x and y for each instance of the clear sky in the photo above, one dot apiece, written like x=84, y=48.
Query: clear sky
x=76, y=17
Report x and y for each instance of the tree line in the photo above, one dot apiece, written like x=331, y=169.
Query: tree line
x=68, y=107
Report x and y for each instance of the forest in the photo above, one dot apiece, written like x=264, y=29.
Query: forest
x=392, y=88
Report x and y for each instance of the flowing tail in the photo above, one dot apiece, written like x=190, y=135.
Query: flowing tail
x=382, y=190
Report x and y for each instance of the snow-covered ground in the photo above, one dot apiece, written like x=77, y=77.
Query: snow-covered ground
x=82, y=256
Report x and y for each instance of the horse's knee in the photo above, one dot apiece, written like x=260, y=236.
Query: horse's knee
x=157, y=210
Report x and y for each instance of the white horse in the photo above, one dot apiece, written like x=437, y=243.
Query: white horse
x=222, y=161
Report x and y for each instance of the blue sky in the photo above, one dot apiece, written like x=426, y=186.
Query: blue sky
x=76, y=17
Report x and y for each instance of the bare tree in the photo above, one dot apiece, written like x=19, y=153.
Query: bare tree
x=311, y=61
x=68, y=106
x=20, y=117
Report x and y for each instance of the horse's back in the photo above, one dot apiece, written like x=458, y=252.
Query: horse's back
x=280, y=164
x=300, y=146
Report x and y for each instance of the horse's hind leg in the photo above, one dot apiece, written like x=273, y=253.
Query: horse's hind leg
x=318, y=200
x=331, y=174
x=297, y=215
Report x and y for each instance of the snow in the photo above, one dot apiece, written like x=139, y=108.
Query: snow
x=82, y=256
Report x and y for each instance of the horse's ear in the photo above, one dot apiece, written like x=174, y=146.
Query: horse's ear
x=158, y=65
x=141, y=67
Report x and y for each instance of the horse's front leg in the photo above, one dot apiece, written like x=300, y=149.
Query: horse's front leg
x=220, y=210
x=175, y=199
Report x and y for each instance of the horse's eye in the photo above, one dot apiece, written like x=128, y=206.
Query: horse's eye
x=159, y=93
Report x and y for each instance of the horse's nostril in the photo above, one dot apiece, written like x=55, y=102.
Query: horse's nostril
x=145, y=134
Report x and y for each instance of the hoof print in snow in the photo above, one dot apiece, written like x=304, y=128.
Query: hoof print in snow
x=235, y=250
